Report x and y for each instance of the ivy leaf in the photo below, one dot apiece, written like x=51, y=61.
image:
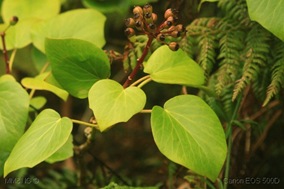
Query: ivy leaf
x=77, y=64
x=84, y=24
x=167, y=66
x=47, y=134
x=112, y=104
x=14, y=106
x=267, y=13
x=188, y=132
x=39, y=83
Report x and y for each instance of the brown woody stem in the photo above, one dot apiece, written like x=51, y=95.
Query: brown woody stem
x=139, y=63
x=5, y=53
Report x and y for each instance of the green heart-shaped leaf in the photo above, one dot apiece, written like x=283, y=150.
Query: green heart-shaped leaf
x=25, y=9
x=268, y=14
x=29, y=12
x=47, y=134
x=19, y=35
x=77, y=64
x=84, y=24
x=63, y=153
x=112, y=104
x=167, y=66
x=188, y=132
x=14, y=106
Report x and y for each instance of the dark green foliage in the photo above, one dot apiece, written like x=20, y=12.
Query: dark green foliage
x=231, y=44
x=207, y=54
x=204, y=33
x=256, y=54
x=237, y=53
x=277, y=71
x=234, y=10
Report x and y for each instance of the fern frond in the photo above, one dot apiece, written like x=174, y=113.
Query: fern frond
x=207, y=52
x=187, y=45
x=261, y=83
x=222, y=105
x=202, y=31
x=257, y=50
x=226, y=99
x=231, y=46
x=234, y=9
x=277, y=74
x=202, y=25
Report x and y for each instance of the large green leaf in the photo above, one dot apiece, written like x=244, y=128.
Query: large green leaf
x=85, y=24
x=18, y=36
x=24, y=9
x=47, y=134
x=77, y=64
x=269, y=13
x=29, y=13
x=112, y=104
x=63, y=153
x=14, y=106
x=188, y=132
x=40, y=83
x=167, y=66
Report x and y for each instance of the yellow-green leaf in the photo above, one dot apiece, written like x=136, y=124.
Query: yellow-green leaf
x=188, y=132
x=167, y=66
x=47, y=134
x=111, y=103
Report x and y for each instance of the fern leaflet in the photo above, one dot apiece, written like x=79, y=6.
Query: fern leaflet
x=277, y=74
x=257, y=50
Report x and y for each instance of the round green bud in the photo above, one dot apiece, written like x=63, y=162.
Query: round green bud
x=14, y=20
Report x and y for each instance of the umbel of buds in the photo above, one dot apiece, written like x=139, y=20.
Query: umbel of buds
x=144, y=21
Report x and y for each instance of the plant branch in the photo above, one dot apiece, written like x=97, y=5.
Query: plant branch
x=79, y=154
x=110, y=169
x=266, y=130
x=85, y=123
x=139, y=62
x=5, y=52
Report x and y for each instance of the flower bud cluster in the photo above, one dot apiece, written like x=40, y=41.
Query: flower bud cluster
x=145, y=21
